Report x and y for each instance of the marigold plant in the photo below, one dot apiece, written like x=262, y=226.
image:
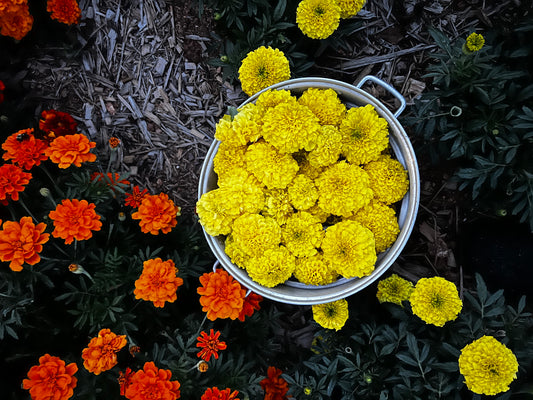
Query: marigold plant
x=15, y=19
x=51, y=379
x=474, y=42
x=71, y=149
x=274, y=385
x=215, y=393
x=101, y=353
x=152, y=383
x=158, y=282
x=12, y=181
x=75, y=219
x=135, y=198
x=318, y=19
x=24, y=150
x=210, y=345
x=157, y=213
x=220, y=295
x=65, y=11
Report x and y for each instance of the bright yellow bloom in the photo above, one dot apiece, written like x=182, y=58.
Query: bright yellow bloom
x=350, y=249
x=474, y=42
x=349, y=8
x=314, y=271
x=394, y=289
x=488, y=366
x=331, y=315
x=247, y=123
x=277, y=205
x=302, y=234
x=436, y=301
x=228, y=158
x=318, y=19
x=328, y=147
x=325, y=104
x=388, y=179
x=255, y=234
x=234, y=252
x=271, y=98
x=302, y=192
x=262, y=68
x=381, y=220
x=272, y=168
x=271, y=267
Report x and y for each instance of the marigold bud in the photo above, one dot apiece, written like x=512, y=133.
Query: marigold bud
x=307, y=391
x=202, y=366
x=224, y=58
x=45, y=192
x=121, y=216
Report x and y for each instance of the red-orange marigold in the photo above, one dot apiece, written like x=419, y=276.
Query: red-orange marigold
x=24, y=149
x=56, y=123
x=210, y=345
x=220, y=295
x=51, y=379
x=124, y=380
x=274, y=385
x=71, y=149
x=16, y=20
x=65, y=11
x=75, y=219
x=152, y=383
x=215, y=393
x=251, y=303
x=12, y=182
x=135, y=198
x=157, y=213
x=21, y=242
x=101, y=353
x=158, y=282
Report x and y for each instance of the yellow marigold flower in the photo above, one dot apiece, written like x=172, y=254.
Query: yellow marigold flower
x=278, y=205
x=436, y=301
x=343, y=189
x=381, y=220
x=254, y=234
x=262, y=68
x=214, y=212
x=350, y=249
x=234, y=252
x=247, y=123
x=349, y=8
x=394, y=289
x=290, y=127
x=302, y=192
x=302, y=234
x=488, y=366
x=388, y=179
x=474, y=42
x=319, y=213
x=314, y=271
x=306, y=168
x=225, y=133
x=271, y=267
x=325, y=104
x=318, y=19
x=228, y=158
x=331, y=315
x=271, y=98
x=328, y=147
x=272, y=168
x=364, y=134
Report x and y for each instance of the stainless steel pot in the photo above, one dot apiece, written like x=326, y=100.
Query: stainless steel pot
x=298, y=293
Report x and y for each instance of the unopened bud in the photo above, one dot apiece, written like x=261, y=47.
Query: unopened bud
x=224, y=58
x=495, y=131
x=502, y=212
x=217, y=16
x=307, y=391
x=121, y=216
x=45, y=192
x=202, y=366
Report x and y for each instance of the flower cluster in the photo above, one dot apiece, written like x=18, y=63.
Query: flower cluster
x=306, y=188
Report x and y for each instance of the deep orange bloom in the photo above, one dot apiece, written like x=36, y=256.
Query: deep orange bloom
x=65, y=11
x=15, y=19
x=274, y=385
x=210, y=345
x=24, y=149
x=124, y=380
x=51, y=379
x=220, y=295
x=251, y=303
x=75, y=219
x=56, y=123
x=114, y=142
x=152, y=383
x=101, y=353
x=215, y=393
x=134, y=350
x=157, y=213
x=135, y=198
x=12, y=181
x=21, y=242
x=158, y=282
x=71, y=149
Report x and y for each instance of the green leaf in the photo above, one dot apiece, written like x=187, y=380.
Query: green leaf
x=279, y=9
x=407, y=359
x=481, y=288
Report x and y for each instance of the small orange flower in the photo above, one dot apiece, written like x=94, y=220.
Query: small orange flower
x=202, y=366
x=75, y=219
x=71, y=149
x=220, y=295
x=24, y=149
x=135, y=198
x=157, y=213
x=274, y=385
x=101, y=353
x=51, y=379
x=152, y=383
x=12, y=181
x=15, y=20
x=65, y=11
x=57, y=123
x=251, y=303
x=158, y=282
x=210, y=345
x=21, y=242
x=215, y=393
x=124, y=380
x=114, y=142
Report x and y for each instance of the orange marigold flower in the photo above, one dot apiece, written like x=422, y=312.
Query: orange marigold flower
x=152, y=383
x=220, y=295
x=21, y=242
x=114, y=142
x=16, y=20
x=251, y=303
x=12, y=181
x=71, y=149
x=65, y=11
x=101, y=353
x=24, y=149
x=124, y=380
x=57, y=123
x=215, y=393
x=135, y=198
x=158, y=282
x=210, y=345
x=157, y=213
x=75, y=219
x=274, y=385
x=51, y=379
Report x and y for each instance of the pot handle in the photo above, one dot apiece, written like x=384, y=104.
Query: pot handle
x=386, y=86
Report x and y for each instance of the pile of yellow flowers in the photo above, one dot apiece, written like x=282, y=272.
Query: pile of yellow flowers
x=306, y=188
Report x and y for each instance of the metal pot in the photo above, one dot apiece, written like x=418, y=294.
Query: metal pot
x=296, y=292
